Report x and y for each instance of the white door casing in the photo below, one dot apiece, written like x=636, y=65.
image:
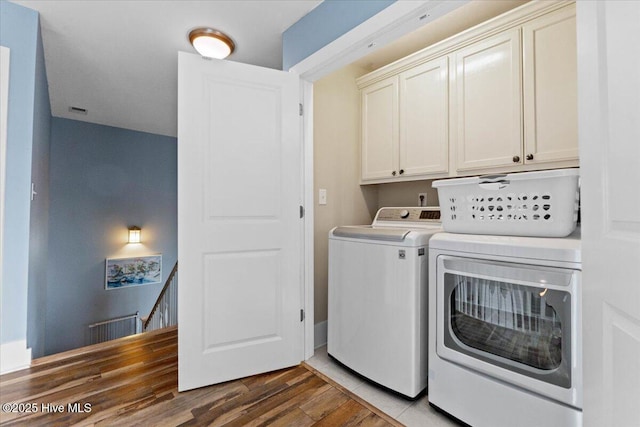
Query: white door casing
x=609, y=138
x=4, y=106
x=239, y=228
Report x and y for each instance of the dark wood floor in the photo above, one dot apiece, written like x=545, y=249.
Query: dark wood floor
x=133, y=381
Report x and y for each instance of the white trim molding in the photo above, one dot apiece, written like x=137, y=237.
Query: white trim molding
x=4, y=106
x=398, y=19
x=306, y=90
x=14, y=355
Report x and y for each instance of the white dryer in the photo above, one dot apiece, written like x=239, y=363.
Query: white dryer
x=505, y=338
x=378, y=290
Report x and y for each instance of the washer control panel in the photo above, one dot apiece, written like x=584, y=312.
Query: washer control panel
x=410, y=214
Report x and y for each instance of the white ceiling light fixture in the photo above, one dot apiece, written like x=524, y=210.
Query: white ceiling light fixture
x=211, y=43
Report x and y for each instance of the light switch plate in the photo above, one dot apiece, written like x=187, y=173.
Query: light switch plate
x=322, y=196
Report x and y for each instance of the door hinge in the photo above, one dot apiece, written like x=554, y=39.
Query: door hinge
x=301, y=315
x=301, y=211
x=301, y=109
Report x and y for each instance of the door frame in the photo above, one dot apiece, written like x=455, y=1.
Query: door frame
x=5, y=56
x=398, y=19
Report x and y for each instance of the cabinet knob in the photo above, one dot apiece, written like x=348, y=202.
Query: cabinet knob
x=529, y=156
x=393, y=173
x=516, y=159
x=401, y=171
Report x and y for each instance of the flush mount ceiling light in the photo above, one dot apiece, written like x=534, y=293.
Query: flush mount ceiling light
x=211, y=43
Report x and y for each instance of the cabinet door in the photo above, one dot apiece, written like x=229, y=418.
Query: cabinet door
x=380, y=129
x=487, y=116
x=424, y=119
x=550, y=88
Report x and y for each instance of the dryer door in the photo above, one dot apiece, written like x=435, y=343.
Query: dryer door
x=514, y=322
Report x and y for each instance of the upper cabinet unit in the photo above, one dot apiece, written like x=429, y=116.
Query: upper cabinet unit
x=488, y=104
x=550, y=88
x=499, y=97
x=424, y=119
x=405, y=123
x=380, y=129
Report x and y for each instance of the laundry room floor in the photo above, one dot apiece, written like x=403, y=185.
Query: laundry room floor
x=410, y=413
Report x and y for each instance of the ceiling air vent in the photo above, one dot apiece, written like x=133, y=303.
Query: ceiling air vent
x=78, y=110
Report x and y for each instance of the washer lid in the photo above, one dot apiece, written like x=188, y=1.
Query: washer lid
x=372, y=233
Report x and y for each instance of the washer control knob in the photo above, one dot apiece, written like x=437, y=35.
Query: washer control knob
x=404, y=214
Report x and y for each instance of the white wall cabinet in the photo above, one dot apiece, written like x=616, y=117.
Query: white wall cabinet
x=550, y=88
x=380, y=130
x=405, y=124
x=511, y=124
x=424, y=119
x=512, y=103
x=488, y=104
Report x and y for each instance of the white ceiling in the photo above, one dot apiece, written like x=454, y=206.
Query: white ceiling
x=118, y=59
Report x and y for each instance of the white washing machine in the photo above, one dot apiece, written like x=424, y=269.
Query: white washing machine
x=505, y=337
x=378, y=280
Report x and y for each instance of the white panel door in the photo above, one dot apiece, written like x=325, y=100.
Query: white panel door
x=380, y=129
x=424, y=119
x=239, y=231
x=609, y=135
x=487, y=117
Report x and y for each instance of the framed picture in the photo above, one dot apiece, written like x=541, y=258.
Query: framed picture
x=124, y=272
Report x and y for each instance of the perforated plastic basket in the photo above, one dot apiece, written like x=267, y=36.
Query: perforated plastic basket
x=543, y=204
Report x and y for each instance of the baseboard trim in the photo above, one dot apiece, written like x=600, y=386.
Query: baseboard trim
x=320, y=334
x=14, y=355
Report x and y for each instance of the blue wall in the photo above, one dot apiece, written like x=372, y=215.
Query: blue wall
x=328, y=21
x=102, y=180
x=19, y=32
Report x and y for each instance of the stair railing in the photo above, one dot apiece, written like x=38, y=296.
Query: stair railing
x=114, y=328
x=165, y=311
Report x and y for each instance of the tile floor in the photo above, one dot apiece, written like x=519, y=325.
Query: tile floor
x=409, y=413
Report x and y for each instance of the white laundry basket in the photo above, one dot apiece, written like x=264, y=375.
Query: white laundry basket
x=543, y=204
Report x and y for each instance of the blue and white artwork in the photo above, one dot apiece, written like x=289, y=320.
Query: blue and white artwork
x=123, y=272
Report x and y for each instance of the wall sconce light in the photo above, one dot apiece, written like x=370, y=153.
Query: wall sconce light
x=134, y=234
x=211, y=43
